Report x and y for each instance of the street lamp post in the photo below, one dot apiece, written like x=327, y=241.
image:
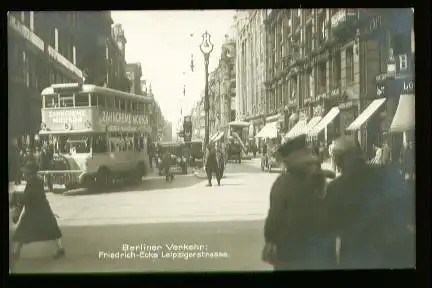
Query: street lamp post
x=206, y=48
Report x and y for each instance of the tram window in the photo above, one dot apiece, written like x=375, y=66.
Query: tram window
x=109, y=102
x=100, y=144
x=127, y=105
x=67, y=100
x=101, y=100
x=116, y=103
x=121, y=104
x=94, y=100
x=115, y=138
x=51, y=101
x=81, y=100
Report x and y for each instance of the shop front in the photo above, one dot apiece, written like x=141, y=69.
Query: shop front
x=399, y=90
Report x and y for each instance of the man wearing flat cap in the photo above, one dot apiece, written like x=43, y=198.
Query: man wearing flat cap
x=294, y=228
x=370, y=211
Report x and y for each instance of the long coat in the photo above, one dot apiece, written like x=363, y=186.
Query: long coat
x=38, y=222
x=371, y=211
x=295, y=219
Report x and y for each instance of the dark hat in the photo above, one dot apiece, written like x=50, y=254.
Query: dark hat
x=293, y=144
x=30, y=167
x=347, y=147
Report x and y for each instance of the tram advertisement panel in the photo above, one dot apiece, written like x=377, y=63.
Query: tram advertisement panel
x=118, y=121
x=59, y=119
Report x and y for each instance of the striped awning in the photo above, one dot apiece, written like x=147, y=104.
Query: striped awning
x=366, y=114
x=218, y=137
x=214, y=136
x=326, y=120
x=268, y=131
x=312, y=123
x=297, y=129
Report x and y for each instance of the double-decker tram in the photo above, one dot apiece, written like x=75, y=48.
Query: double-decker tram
x=99, y=135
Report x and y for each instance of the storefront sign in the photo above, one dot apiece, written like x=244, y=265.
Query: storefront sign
x=121, y=118
x=64, y=62
x=25, y=32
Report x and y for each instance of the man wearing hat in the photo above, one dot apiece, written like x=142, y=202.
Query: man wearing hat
x=37, y=222
x=370, y=211
x=294, y=226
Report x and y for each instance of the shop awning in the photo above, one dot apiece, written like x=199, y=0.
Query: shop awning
x=298, y=129
x=404, y=118
x=214, y=136
x=326, y=120
x=239, y=124
x=366, y=114
x=312, y=123
x=218, y=137
x=268, y=131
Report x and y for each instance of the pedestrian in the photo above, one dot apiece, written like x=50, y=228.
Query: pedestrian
x=220, y=166
x=46, y=160
x=37, y=222
x=294, y=225
x=385, y=153
x=330, y=151
x=166, y=163
x=378, y=158
x=254, y=148
x=370, y=211
x=211, y=163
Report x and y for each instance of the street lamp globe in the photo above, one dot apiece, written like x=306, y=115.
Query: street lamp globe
x=206, y=46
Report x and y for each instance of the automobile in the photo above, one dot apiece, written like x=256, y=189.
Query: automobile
x=178, y=163
x=196, y=152
x=269, y=161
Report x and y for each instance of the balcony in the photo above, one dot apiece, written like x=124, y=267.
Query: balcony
x=344, y=21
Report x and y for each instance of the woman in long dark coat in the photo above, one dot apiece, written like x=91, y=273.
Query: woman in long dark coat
x=37, y=222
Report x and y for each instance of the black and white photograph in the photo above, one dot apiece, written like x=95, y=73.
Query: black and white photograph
x=211, y=140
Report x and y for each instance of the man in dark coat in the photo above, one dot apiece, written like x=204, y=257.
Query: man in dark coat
x=37, y=221
x=211, y=163
x=220, y=164
x=294, y=226
x=370, y=212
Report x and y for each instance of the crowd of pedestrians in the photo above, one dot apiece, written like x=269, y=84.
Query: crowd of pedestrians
x=362, y=219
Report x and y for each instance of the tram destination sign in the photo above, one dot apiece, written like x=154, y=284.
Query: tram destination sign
x=121, y=118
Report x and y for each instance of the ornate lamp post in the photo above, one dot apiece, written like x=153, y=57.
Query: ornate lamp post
x=206, y=48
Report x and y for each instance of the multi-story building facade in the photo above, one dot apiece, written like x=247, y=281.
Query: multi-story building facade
x=134, y=73
x=38, y=54
x=198, y=119
x=320, y=59
x=251, y=66
x=222, y=87
x=116, y=57
x=52, y=47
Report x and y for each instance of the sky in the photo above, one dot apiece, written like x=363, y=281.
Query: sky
x=164, y=42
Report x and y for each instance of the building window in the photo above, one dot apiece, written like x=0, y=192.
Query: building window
x=56, y=39
x=321, y=87
x=322, y=28
x=74, y=54
x=310, y=84
x=31, y=20
x=26, y=69
x=308, y=39
x=349, y=65
x=336, y=70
